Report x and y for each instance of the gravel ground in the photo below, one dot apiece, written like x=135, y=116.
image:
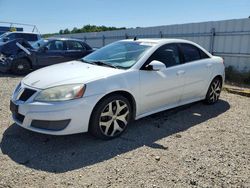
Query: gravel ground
x=191, y=146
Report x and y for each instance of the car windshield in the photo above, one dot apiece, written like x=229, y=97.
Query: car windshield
x=121, y=54
x=39, y=43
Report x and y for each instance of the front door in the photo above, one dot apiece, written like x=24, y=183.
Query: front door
x=51, y=54
x=163, y=88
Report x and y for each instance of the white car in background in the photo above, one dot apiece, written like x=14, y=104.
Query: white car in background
x=126, y=80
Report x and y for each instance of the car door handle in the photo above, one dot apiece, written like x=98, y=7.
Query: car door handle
x=180, y=72
x=209, y=65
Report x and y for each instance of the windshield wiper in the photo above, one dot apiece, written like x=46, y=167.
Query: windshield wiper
x=84, y=61
x=101, y=63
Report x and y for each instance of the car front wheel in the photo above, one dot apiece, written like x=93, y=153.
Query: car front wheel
x=110, y=117
x=20, y=67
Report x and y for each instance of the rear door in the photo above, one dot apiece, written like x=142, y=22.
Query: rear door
x=75, y=50
x=163, y=88
x=197, y=67
x=52, y=53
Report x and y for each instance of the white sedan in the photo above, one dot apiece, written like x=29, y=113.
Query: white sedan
x=126, y=80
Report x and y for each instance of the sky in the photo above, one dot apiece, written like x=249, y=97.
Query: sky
x=52, y=15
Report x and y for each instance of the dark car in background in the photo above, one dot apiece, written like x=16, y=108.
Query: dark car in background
x=20, y=57
x=30, y=37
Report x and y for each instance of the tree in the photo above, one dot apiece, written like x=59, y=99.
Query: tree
x=75, y=30
x=66, y=31
x=61, y=32
x=84, y=29
x=91, y=28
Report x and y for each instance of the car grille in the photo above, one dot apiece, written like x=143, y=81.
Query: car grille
x=26, y=94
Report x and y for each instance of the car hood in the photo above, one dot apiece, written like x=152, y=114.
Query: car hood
x=67, y=73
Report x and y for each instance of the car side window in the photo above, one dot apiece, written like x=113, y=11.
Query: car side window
x=192, y=53
x=55, y=45
x=203, y=55
x=74, y=45
x=167, y=54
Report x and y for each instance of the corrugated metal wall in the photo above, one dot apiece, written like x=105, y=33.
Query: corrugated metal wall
x=229, y=38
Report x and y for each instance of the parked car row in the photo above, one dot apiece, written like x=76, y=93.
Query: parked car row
x=20, y=56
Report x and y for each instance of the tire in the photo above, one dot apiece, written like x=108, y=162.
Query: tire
x=214, y=91
x=110, y=117
x=21, y=67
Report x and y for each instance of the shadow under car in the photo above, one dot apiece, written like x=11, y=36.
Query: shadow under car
x=65, y=153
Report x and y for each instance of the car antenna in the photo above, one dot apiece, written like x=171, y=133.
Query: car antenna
x=135, y=38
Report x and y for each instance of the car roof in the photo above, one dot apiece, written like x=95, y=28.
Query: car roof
x=159, y=40
x=64, y=39
x=22, y=32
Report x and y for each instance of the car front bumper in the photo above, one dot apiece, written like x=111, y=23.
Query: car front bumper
x=57, y=118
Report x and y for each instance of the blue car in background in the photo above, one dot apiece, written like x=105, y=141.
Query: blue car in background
x=19, y=57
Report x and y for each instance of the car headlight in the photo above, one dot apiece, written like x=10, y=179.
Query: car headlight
x=61, y=93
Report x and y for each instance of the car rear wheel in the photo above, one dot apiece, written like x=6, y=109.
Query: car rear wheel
x=20, y=67
x=214, y=91
x=110, y=117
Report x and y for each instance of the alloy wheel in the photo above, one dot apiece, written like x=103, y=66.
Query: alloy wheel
x=114, y=118
x=215, y=90
x=20, y=67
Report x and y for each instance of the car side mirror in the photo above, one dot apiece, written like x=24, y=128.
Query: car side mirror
x=155, y=66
